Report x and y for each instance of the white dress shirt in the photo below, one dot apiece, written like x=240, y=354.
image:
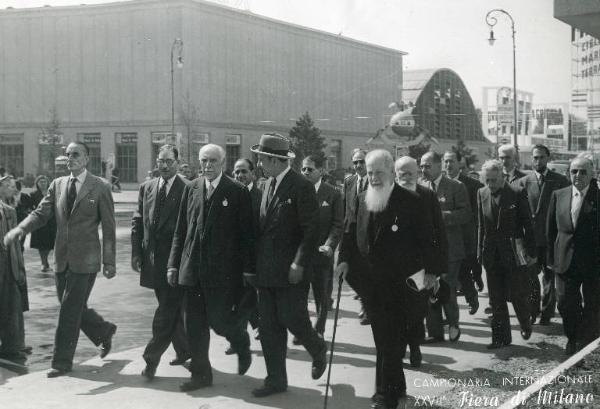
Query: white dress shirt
x=80, y=179
x=169, y=182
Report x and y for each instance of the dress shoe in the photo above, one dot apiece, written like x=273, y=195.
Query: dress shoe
x=433, y=340
x=296, y=341
x=230, y=351
x=571, y=347
x=267, y=390
x=533, y=319
x=319, y=363
x=106, y=345
x=244, y=361
x=526, y=333
x=497, y=344
x=362, y=313
x=473, y=308
x=488, y=310
x=453, y=334
x=365, y=320
x=56, y=372
x=415, y=356
x=149, y=371
x=180, y=360
x=195, y=384
x=544, y=321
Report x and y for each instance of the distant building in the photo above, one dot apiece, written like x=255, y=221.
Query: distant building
x=103, y=73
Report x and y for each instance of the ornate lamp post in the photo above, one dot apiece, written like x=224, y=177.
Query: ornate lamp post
x=176, y=47
x=491, y=22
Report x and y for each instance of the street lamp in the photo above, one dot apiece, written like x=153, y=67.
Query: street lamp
x=176, y=47
x=491, y=22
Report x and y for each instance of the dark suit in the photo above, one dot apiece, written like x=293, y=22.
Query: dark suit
x=152, y=244
x=538, y=196
x=288, y=234
x=331, y=225
x=376, y=247
x=78, y=257
x=212, y=248
x=470, y=269
x=252, y=305
x=574, y=255
x=504, y=232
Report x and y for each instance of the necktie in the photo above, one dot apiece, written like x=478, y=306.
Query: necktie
x=433, y=187
x=210, y=191
x=506, y=176
x=541, y=180
x=271, y=191
x=71, y=196
x=575, y=206
x=162, y=197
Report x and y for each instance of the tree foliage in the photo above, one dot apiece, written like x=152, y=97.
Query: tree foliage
x=306, y=139
x=418, y=150
x=463, y=151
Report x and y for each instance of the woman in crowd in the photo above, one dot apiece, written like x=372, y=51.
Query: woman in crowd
x=43, y=238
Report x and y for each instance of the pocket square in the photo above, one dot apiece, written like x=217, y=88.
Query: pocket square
x=92, y=201
x=324, y=204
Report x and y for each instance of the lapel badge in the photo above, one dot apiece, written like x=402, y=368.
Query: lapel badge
x=289, y=201
x=395, y=226
x=324, y=204
x=443, y=199
x=225, y=202
x=92, y=201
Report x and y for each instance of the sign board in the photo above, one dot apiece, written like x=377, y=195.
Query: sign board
x=89, y=138
x=232, y=139
x=126, y=138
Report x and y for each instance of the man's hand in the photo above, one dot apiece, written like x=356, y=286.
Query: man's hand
x=109, y=271
x=326, y=250
x=172, y=274
x=295, y=274
x=13, y=235
x=136, y=263
x=250, y=279
x=342, y=269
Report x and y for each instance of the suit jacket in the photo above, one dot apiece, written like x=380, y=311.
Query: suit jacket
x=350, y=200
x=508, y=234
x=150, y=242
x=540, y=199
x=517, y=175
x=77, y=242
x=331, y=216
x=256, y=197
x=456, y=213
x=470, y=229
x=289, y=230
x=395, y=243
x=213, y=240
x=574, y=247
x=431, y=205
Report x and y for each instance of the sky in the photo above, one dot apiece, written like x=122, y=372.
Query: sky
x=435, y=34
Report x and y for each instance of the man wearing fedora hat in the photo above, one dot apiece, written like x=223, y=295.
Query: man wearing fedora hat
x=287, y=241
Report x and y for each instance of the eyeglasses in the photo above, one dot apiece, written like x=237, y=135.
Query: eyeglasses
x=168, y=162
x=240, y=171
x=573, y=172
x=359, y=162
x=307, y=169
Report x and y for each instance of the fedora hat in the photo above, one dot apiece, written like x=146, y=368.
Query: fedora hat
x=275, y=145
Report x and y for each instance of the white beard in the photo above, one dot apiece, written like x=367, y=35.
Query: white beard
x=377, y=199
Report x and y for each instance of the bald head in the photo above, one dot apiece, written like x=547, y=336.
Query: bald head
x=407, y=172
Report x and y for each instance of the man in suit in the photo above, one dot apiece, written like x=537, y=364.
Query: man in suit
x=390, y=224
x=353, y=186
x=574, y=253
x=470, y=270
x=331, y=225
x=79, y=203
x=507, y=154
x=506, y=245
x=456, y=212
x=407, y=173
x=287, y=243
x=539, y=186
x=153, y=225
x=212, y=248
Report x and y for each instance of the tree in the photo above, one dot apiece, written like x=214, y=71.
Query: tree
x=190, y=116
x=51, y=144
x=306, y=139
x=418, y=150
x=463, y=151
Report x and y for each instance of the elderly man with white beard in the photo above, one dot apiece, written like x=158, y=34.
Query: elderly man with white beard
x=394, y=239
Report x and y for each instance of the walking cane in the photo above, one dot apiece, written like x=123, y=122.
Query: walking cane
x=335, y=320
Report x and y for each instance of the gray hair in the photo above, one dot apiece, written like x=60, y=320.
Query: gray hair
x=492, y=164
x=508, y=148
x=586, y=157
x=211, y=147
x=381, y=155
x=406, y=160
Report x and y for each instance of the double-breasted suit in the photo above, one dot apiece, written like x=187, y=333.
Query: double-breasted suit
x=505, y=235
x=574, y=255
x=331, y=226
x=288, y=234
x=78, y=256
x=151, y=237
x=538, y=196
x=213, y=245
x=386, y=248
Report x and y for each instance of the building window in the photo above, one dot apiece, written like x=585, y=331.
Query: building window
x=126, y=157
x=334, y=161
x=159, y=139
x=232, y=150
x=50, y=147
x=11, y=153
x=92, y=140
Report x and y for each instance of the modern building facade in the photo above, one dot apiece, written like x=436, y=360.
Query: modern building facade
x=102, y=74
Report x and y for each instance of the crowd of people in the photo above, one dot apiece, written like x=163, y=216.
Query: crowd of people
x=221, y=252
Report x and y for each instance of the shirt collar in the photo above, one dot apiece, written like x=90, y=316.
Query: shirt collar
x=318, y=184
x=538, y=174
x=169, y=181
x=80, y=178
x=437, y=181
x=250, y=185
x=280, y=177
x=215, y=181
x=582, y=193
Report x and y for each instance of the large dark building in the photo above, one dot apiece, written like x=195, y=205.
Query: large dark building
x=102, y=74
